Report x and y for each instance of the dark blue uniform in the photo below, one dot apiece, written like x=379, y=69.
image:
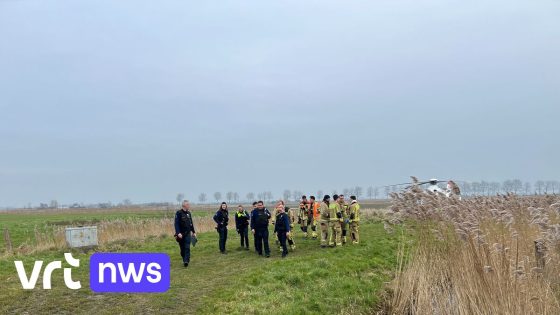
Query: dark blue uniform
x=242, y=227
x=222, y=218
x=184, y=225
x=259, y=223
x=281, y=227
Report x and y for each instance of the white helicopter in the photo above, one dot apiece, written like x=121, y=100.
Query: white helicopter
x=452, y=188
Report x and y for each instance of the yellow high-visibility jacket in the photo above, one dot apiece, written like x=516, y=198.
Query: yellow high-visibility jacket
x=303, y=213
x=324, y=210
x=333, y=209
x=292, y=214
x=273, y=216
x=345, y=210
x=354, y=212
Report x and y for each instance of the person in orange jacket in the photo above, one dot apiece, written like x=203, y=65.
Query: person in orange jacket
x=314, y=216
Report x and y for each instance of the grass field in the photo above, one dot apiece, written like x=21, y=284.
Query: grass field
x=311, y=280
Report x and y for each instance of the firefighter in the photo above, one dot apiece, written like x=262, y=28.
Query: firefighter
x=354, y=218
x=324, y=220
x=345, y=216
x=303, y=217
x=335, y=219
x=313, y=216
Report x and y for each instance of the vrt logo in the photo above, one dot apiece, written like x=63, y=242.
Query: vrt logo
x=108, y=272
x=29, y=283
x=129, y=272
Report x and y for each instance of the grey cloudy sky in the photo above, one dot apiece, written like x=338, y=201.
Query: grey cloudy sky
x=105, y=100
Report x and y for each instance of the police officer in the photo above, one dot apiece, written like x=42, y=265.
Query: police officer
x=242, y=226
x=184, y=230
x=324, y=219
x=254, y=239
x=222, y=218
x=259, y=227
x=282, y=229
x=354, y=220
x=335, y=219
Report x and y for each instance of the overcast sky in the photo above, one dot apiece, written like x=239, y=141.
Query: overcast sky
x=107, y=100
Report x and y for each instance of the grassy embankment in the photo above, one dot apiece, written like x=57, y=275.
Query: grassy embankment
x=310, y=280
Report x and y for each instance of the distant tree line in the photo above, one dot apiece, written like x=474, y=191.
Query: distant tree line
x=475, y=188
x=516, y=186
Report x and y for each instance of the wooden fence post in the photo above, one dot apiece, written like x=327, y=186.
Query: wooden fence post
x=8, y=240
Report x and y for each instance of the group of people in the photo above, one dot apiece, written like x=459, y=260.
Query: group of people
x=336, y=219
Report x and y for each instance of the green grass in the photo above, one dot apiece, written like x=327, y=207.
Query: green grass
x=310, y=280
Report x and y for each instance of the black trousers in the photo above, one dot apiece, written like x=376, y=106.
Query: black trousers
x=261, y=240
x=222, y=231
x=283, y=238
x=185, y=246
x=244, y=235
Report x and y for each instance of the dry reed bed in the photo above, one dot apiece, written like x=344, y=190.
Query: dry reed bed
x=108, y=231
x=477, y=256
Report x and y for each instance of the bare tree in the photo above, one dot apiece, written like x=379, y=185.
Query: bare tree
x=507, y=186
x=268, y=195
x=229, y=196
x=250, y=196
x=551, y=185
x=236, y=197
x=475, y=188
x=202, y=198
x=287, y=194
x=180, y=197
x=127, y=202
x=358, y=191
x=53, y=204
x=218, y=196
x=370, y=192
x=483, y=187
x=387, y=191
x=296, y=195
x=375, y=192
x=516, y=185
x=465, y=188
x=539, y=185
x=548, y=185
x=494, y=188
x=527, y=188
